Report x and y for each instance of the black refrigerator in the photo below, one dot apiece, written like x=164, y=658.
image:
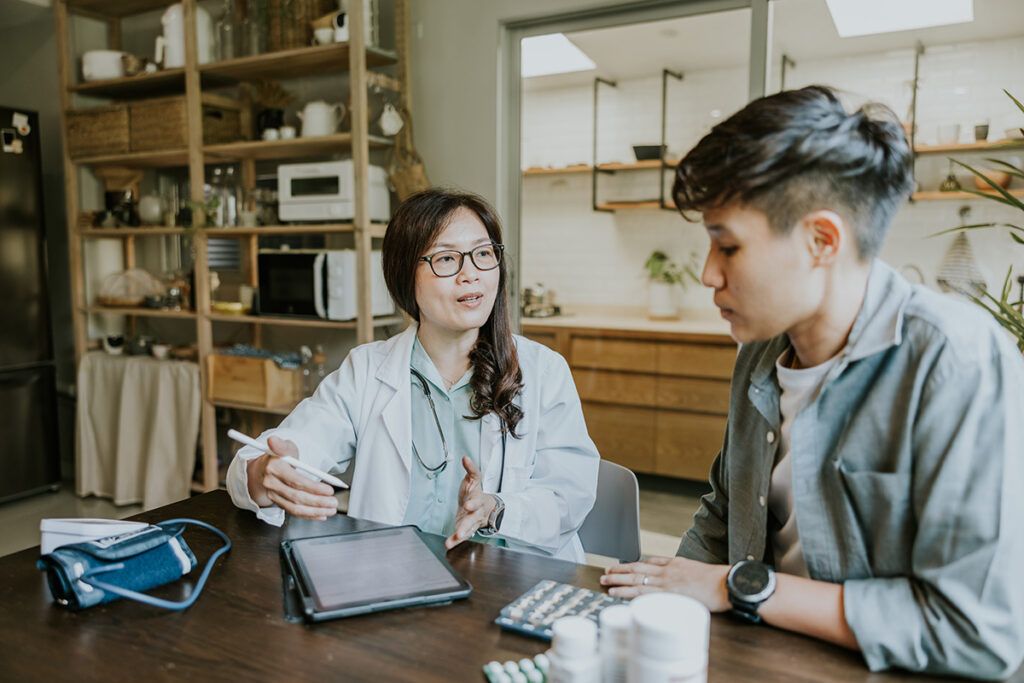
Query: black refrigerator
x=29, y=459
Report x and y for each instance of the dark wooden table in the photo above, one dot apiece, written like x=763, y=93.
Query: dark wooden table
x=237, y=631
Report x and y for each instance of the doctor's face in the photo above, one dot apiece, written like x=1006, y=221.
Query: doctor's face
x=464, y=301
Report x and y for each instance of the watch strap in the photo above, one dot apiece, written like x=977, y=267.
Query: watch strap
x=494, y=518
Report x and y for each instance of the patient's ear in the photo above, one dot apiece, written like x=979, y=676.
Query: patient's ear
x=826, y=233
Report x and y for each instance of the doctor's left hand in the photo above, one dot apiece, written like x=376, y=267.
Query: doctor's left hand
x=474, y=506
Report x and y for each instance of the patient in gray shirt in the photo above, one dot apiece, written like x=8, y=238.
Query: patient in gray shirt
x=875, y=444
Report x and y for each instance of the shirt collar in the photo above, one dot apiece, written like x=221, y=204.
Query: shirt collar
x=423, y=364
x=878, y=326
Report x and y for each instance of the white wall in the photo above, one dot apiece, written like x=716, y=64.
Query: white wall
x=592, y=258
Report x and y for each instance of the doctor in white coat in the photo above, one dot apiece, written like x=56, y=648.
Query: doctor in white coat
x=455, y=425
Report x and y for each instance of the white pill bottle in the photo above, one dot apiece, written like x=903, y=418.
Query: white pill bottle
x=573, y=655
x=670, y=639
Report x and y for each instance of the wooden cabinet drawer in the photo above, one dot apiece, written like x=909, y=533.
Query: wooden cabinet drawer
x=548, y=339
x=696, y=360
x=686, y=444
x=615, y=387
x=613, y=354
x=622, y=434
x=686, y=393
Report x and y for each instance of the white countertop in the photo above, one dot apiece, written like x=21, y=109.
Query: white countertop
x=689, y=322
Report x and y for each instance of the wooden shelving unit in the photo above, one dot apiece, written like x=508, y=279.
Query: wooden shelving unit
x=170, y=158
x=934, y=195
x=645, y=205
x=607, y=167
x=267, y=150
x=282, y=321
x=140, y=312
x=270, y=410
x=997, y=146
x=295, y=63
x=166, y=82
x=194, y=81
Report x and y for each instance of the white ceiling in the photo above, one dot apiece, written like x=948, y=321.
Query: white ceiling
x=802, y=29
x=19, y=12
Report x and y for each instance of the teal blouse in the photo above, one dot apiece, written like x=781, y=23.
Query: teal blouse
x=434, y=496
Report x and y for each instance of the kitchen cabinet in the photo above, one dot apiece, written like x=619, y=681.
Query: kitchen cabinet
x=655, y=401
x=350, y=62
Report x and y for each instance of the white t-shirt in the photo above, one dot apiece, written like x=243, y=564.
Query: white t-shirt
x=799, y=389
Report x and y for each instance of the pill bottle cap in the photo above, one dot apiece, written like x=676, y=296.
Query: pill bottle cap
x=669, y=626
x=574, y=637
x=616, y=625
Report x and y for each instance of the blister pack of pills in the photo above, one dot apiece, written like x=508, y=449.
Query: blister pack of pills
x=533, y=612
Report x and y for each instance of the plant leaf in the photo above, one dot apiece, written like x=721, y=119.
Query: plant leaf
x=1015, y=100
x=1017, y=238
x=1007, y=167
x=974, y=226
x=1006, y=197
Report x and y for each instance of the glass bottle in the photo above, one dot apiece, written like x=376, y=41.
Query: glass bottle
x=254, y=29
x=319, y=365
x=229, y=197
x=306, y=370
x=212, y=194
x=227, y=32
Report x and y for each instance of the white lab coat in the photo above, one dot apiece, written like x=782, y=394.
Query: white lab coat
x=361, y=412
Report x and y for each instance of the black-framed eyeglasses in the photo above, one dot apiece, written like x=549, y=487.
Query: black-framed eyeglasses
x=449, y=263
x=437, y=469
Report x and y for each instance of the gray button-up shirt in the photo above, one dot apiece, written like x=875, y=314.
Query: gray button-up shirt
x=908, y=480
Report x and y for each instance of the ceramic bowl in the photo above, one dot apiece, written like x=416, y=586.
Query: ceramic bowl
x=160, y=351
x=1000, y=178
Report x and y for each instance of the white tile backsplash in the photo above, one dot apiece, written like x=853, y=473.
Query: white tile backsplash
x=594, y=258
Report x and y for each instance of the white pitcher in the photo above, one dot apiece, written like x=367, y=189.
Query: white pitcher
x=319, y=118
x=170, y=47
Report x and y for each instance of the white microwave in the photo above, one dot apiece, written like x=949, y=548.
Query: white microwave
x=317, y=283
x=325, y=191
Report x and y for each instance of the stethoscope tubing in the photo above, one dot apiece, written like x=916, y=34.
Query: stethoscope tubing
x=444, y=442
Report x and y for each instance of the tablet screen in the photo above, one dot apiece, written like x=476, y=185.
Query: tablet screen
x=369, y=567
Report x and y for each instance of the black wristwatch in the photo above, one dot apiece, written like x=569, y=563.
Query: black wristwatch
x=493, y=519
x=750, y=583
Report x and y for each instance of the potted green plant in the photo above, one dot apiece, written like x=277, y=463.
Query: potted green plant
x=1006, y=311
x=663, y=276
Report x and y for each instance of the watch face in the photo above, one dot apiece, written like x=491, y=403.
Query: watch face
x=750, y=578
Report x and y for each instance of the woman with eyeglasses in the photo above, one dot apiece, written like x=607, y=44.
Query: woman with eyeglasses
x=455, y=425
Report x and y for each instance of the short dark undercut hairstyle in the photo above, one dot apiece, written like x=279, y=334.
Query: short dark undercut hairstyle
x=799, y=151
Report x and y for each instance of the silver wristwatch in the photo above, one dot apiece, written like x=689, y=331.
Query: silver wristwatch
x=493, y=519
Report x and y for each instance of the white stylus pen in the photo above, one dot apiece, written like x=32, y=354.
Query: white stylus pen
x=294, y=462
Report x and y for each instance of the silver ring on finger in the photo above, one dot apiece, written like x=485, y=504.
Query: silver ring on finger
x=645, y=579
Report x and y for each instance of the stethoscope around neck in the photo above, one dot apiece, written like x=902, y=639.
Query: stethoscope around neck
x=438, y=469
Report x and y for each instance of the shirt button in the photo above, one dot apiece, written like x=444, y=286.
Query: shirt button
x=760, y=500
x=440, y=499
x=771, y=437
x=750, y=557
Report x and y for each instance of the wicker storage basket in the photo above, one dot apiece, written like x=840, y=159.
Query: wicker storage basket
x=102, y=130
x=163, y=124
x=288, y=22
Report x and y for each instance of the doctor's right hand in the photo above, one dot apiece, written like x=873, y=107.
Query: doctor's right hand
x=273, y=481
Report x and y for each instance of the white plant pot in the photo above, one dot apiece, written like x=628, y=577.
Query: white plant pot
x=661, y=301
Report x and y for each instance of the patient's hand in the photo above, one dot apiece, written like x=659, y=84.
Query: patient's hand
x=273, y=481
x=705, y=582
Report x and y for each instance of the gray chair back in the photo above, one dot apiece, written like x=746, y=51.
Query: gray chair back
x=612, y=528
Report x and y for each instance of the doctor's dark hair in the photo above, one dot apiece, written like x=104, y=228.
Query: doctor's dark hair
x=799, y=151
x=417, y=223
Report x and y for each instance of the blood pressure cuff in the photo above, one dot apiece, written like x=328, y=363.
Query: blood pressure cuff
x=82, y=575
